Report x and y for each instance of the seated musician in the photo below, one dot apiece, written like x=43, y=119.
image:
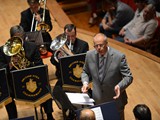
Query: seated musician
x=32, y=57
x=74, y=44
x=32, y=18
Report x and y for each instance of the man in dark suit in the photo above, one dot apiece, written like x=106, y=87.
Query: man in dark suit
x=74, y=44
x=34, y=15
x=31, y=54
x=110, y=79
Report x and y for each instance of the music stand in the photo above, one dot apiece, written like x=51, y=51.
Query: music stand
x=71, y=68
x=35, y=37
x=31, y=85
x=4, y=89
x=63, y=103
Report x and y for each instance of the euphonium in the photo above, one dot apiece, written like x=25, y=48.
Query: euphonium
x=14, y=48
x=58, y=45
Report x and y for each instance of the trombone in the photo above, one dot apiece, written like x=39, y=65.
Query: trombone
x=42, y=26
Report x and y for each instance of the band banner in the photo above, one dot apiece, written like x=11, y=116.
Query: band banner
x=71, y=69
x=31, y=84
x=4, y=89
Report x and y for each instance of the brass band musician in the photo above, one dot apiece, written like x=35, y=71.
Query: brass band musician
x=30, y=54
x=35, y=15
x=75, y=45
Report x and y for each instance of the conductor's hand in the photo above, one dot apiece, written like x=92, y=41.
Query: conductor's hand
x=117, y=91
x=85, y=88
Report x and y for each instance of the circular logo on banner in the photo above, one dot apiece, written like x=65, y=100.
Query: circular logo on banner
x=31, y=86
x=75, y=70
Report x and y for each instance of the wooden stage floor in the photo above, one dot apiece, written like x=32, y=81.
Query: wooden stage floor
x=145, y=67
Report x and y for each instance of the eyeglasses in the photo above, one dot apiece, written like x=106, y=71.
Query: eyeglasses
x=100, y=45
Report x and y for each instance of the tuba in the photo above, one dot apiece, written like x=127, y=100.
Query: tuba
x=14, y=48
x=58, y=45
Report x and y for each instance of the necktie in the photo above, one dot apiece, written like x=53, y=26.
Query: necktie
x=101, y=68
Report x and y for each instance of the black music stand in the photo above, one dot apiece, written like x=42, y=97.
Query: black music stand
x=64, y=103
x=71, y=68
x=35, y=37
x=31, y=85
x=109, y=111
x=4, y=89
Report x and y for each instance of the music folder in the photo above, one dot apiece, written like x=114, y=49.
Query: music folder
x=71, y=68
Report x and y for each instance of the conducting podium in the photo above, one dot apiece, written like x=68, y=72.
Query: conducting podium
x=71, y=68
x=4, y=89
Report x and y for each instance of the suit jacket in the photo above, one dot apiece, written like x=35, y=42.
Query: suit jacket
x=26, y=22
x=116, y=72
x=79, y=46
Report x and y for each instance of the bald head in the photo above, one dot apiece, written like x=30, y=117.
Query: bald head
x=100, y=43
x=100, y=37
x=87, y=114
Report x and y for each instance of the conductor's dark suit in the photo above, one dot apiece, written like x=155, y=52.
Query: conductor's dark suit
x=33, y=55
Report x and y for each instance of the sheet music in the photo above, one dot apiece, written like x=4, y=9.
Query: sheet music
x=98, y=113
x=80, y=98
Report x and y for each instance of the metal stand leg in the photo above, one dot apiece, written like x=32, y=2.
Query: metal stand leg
x=36, y=113
x=41, y=112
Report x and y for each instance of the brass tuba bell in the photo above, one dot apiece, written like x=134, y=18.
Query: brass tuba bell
x=14, y=48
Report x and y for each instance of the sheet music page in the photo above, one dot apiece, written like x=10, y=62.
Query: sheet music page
x=98, y=113
x=80, y=98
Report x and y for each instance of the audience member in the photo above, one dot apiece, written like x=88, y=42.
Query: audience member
x=109, y=72
x=87, y=114
x=31, y=53
x=33, y=15
x=142, y=112
x=118, y=15
x=141, y=29
x=140, y=4
x=74, y=44
x=94, y=5
x=156, y=3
